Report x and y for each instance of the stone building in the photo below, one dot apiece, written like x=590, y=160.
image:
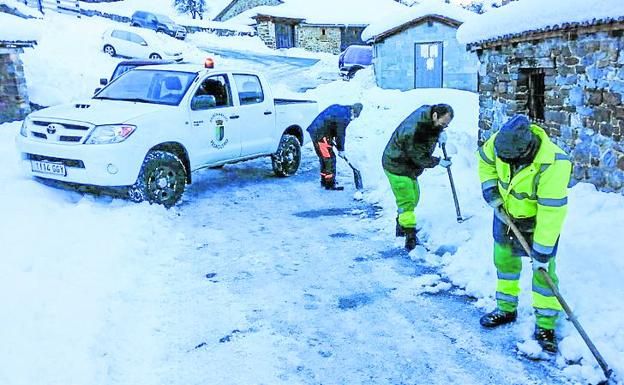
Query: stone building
x=309, y=25
x=420, y=49
x=14, y=102
x=283, y=32
x=567, y=76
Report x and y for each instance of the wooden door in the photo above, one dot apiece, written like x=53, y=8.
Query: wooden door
x=284, y=35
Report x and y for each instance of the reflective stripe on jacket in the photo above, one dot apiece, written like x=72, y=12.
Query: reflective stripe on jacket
x=538, y=190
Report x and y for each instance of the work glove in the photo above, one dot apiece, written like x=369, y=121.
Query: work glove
x=442, y=138
x=492, y=197
x=537, y=264
x=342, y=154
x=540, y=261
x=446, y=163
x=496, y=204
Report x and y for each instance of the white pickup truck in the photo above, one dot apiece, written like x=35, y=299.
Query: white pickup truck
x=148, y=129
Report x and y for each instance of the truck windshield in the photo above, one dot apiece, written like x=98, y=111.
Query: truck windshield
x=149, y=86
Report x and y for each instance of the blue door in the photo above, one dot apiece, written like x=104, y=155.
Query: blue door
x=284, y=35
x=428, y=65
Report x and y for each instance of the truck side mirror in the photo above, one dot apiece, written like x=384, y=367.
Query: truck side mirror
x=103, y=81
x=203, y=102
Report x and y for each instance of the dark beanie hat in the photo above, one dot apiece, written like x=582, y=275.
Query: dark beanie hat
x=515, y=138
x=357, y=108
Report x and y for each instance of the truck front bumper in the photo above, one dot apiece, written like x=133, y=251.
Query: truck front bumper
x=115, y=164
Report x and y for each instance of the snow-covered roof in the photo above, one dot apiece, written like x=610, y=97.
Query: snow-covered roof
x=332, y=12
x=20, y=7
x=426, y=8
x=524, y=16
x=17, y=29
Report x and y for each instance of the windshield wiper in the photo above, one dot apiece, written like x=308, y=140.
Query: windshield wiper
x=139, y=100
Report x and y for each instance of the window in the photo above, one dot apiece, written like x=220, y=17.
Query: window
x=149, y=86
x=120, y=35
x=137, y=39
x=249, y=89
x=531, y=88
x=218, y=87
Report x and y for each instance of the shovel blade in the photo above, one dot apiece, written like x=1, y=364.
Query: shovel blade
x=357, y=179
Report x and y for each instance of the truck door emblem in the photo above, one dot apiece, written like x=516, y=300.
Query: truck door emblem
x=219, y=121
x=219, y=130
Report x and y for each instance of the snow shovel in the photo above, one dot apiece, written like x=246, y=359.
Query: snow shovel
x=603, y=364
x=357, y=176
x=450, y=175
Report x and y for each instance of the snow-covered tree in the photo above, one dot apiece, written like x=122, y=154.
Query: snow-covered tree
x=481, y=6
x=196, y=8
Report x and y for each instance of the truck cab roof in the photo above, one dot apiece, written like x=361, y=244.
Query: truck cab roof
x=193, y=68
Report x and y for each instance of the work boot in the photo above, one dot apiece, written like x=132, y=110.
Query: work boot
x=411, y=240
x=400, y=231
x=547, y=339
x=497, y=318
x=331, y=185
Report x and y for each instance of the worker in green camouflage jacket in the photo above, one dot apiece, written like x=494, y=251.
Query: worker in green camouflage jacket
x=526, y=176
x=407, y=154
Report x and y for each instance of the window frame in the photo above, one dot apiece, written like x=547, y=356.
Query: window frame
x=239, y=88
x=228, y=89
x=531, y=81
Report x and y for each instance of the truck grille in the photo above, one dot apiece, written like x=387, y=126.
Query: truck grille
x=65, y=125
x=58, y=132
x=67, y=162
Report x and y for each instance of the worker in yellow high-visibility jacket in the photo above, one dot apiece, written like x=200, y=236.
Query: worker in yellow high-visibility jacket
x=524, y=174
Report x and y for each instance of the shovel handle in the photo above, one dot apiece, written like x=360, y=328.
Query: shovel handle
x=525, y=245
x=450, y=175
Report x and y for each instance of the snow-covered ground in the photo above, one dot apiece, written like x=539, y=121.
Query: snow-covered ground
x=101, y=291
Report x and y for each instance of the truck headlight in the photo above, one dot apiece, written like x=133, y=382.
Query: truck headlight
x=24, y=129
x=111, y=133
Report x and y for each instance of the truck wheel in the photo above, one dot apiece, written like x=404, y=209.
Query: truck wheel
x=155, y=56
x=287, y=157
x=162, y=180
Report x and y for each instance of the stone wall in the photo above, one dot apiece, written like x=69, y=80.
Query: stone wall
x=266, y=31
x=13, y=93
x=583, y=110
x=319, y=38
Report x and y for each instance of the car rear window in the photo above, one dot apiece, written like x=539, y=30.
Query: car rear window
x=358, y=55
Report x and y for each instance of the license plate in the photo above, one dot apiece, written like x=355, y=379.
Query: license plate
x=48, y=168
